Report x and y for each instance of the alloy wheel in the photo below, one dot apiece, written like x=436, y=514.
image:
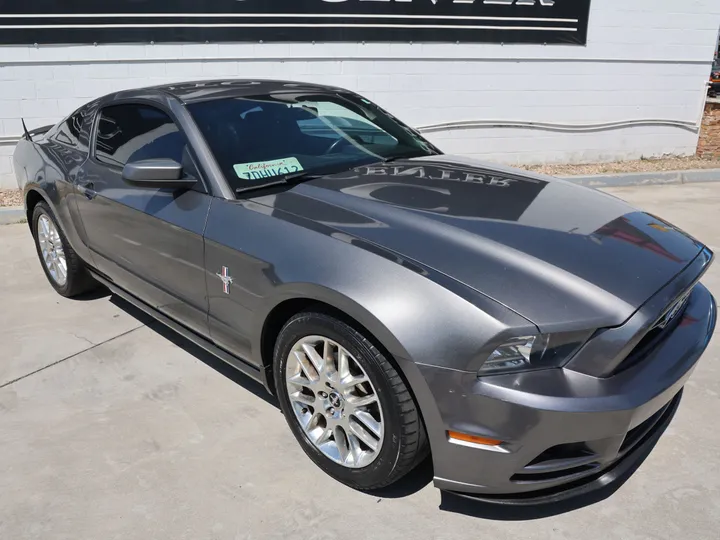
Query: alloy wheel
x=334, y=401
x=52, y=250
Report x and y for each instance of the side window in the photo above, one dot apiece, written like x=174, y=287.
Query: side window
x=69, y=132
x=128, y=133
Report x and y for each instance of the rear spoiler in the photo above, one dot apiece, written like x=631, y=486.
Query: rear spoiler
x=37, y=131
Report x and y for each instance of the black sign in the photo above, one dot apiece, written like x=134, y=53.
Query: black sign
x=467, y=21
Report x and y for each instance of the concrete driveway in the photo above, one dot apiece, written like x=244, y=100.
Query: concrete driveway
x=111, y=427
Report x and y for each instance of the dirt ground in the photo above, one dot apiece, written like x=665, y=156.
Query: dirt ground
x=617, y=167
x=10, y=197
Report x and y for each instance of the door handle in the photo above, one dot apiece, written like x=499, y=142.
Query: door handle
x=88, y=189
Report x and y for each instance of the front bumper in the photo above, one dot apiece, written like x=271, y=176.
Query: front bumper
x=565, y=432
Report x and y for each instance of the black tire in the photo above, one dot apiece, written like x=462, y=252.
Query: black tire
x=405, y=442
x=78, y=279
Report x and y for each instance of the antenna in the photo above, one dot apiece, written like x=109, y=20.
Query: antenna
x=27, y=133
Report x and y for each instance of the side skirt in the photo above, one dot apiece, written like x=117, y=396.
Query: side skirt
x=239, y=364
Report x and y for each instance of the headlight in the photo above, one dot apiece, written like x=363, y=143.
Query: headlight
x=534, y=352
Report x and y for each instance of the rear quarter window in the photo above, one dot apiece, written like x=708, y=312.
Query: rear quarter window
x=73, y=131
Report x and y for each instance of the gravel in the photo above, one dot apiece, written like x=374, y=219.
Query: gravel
x=643, y=165
x=10, y=197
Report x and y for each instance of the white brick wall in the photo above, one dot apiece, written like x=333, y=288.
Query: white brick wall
x=645, y=59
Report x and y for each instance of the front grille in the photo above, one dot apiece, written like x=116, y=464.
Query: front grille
x=563, y=461
x=636, y=434
x=660, y=329
x=565, y=474
x=572, y=462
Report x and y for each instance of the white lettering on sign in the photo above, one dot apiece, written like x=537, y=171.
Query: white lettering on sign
x=546, y=3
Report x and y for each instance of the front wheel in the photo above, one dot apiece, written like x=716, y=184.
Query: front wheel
x=345, y=402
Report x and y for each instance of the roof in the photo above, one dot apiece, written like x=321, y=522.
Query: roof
x=194, y=91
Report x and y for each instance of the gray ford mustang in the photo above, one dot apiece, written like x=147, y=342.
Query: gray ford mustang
x=531, y=335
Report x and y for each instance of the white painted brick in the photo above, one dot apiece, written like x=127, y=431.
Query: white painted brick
x=8, y=73
x=93, y=88
x=14, y=53
x=39, y=108
x=146, y=69
x=17, y=89
x=159, y=50
x=324, y=68
x=258, y=69
x=90, y=52
x=374, y=83
x=184, y=70
x=5, y=166
x=9, y=108
x=54, y=89
x=10, y=127
x=274, y=50
x=108, y=71
x=236, y=50
x=220, y=69
x=123, y=52
x=199, y=50
x=45, y=53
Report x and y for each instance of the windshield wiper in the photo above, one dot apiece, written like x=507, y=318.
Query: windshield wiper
x=288, y=179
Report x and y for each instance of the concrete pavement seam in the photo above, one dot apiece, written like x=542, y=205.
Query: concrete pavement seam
x=68, y=357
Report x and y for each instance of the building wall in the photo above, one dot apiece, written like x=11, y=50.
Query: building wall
x=637, y=89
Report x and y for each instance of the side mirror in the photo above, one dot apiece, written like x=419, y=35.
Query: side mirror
x=157, y=173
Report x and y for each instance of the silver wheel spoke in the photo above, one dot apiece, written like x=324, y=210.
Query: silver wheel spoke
x=316, y=360
x=343, y=364
x=312, y=423
x=299, y=397
x=306, y=366
x=324, y=436
x=355, y=448
x=349, y=382
x=334, y=401
x=367, y=420
x=363, y=434
x=342, y=443
x=361, y=401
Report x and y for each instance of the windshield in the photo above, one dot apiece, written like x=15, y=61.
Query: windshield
x=259, y=140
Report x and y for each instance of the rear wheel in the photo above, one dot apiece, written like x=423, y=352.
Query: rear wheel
x=63, y=268
x=345, y=402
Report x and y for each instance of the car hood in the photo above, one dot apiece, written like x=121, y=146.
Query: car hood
x=563, y=256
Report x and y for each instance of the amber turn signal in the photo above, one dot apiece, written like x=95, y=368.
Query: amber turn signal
x=473, y=438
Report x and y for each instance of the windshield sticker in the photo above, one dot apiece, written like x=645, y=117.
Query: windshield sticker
x=267, y=169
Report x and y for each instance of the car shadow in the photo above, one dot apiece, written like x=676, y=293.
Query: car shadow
x=409, y=484
x=95, y=294
x=198, y=352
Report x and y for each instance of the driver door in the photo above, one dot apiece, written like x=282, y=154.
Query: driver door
x=148, y=241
